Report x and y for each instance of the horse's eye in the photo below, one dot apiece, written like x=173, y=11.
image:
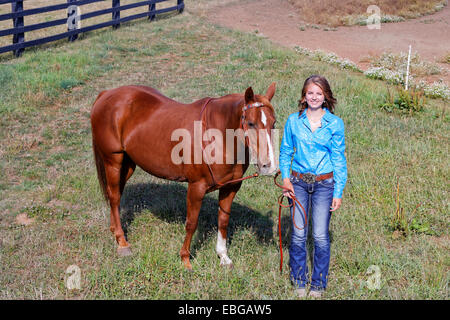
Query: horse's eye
x=251, y=124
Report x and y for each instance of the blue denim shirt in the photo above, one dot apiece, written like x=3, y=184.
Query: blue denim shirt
x=318, y=152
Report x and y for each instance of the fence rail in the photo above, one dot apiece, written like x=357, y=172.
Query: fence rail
x=74, y=17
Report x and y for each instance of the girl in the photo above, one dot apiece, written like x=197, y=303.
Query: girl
x=314, y=141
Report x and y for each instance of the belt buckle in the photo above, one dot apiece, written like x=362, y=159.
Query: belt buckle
x=309, y=178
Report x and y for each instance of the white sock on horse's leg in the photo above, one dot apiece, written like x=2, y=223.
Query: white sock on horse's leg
x=221, y=249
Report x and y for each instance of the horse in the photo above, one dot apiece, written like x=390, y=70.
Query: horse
x=139, y=126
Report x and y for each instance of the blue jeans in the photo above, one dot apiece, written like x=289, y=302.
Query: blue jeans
x=319, y=197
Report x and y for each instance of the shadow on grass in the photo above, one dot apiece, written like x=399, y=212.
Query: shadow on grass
x=168, y=202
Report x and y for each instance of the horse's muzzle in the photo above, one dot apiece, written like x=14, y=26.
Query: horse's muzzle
x=267, y=169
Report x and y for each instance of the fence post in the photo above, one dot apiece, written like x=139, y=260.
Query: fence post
x=180, y=4
x=116, y=13
x=152, y=8
x=72, y=19
x=18, y=23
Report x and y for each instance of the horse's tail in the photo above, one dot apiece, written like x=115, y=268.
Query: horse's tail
x=101, y=173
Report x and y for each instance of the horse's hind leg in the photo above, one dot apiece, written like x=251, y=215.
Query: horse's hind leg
x=128, y=167
x=118, y=169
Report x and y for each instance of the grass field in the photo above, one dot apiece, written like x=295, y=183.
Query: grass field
x=47, y=172
x=61, y=14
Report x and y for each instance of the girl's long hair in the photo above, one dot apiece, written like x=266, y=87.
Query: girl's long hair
x=320, y=81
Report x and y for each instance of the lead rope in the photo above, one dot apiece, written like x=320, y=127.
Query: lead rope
x=281, y=205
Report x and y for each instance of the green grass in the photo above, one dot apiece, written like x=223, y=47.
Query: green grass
x=47, y=171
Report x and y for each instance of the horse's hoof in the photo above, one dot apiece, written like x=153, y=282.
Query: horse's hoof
x=226, y=262
x=227, y=266
x=124, y=251
x=187, y=265
x=190, y=270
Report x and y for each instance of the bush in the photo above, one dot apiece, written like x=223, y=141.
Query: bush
x=329, y=57
x=437, y=89
x=381, y=73
x=405, y=101
x=392, y=68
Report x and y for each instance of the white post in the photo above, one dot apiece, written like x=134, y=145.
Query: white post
x=407, y=68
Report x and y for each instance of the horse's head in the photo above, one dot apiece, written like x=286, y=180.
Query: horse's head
x=258, y=121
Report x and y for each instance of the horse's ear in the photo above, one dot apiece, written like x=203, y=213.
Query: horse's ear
x=249, y=95
x=271, y=91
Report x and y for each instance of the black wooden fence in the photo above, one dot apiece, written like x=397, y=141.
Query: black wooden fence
x=18, y=12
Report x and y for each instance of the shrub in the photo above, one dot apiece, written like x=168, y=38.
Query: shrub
x=437, y=89
x=331, y=58
x=410, y=101
x=398, y=62
x=392, y=68
x=391, y=76
x=446, y=58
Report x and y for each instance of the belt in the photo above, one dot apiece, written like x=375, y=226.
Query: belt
x=311, y=178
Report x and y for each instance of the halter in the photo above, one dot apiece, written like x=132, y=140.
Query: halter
x=249, y=106
x=253, y=105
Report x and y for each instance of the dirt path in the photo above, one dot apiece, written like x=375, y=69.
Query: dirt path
x=279, y=21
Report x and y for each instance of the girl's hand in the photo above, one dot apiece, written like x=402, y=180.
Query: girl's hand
x=289, y=191
x=336, y=204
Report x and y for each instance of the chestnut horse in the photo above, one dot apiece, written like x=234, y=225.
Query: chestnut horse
x=135, y=125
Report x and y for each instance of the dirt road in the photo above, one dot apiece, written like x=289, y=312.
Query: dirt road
x=279, y=21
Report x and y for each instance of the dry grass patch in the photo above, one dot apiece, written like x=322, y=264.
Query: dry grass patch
x=446, y=58
x=345, y=12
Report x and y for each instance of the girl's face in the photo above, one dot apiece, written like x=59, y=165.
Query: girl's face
x=314, y=96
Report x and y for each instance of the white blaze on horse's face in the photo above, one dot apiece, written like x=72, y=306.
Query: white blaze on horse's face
x=263, y=118
x=266, y=158
x=273, y=166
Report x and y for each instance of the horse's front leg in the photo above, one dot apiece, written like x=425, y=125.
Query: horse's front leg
x=226, y=196
x=195, y=195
